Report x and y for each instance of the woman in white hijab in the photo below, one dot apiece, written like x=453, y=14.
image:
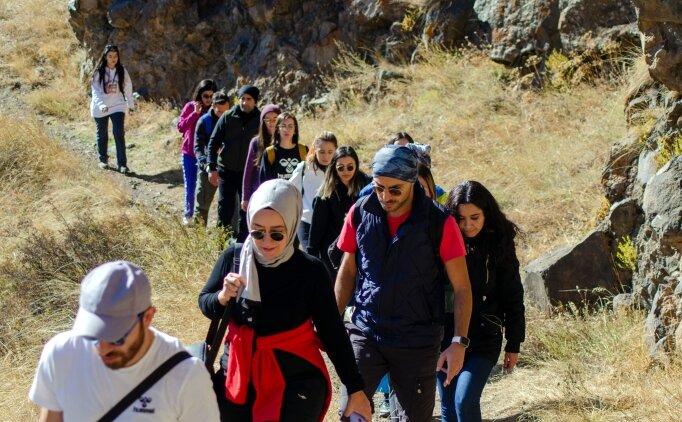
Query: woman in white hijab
x=285, y=313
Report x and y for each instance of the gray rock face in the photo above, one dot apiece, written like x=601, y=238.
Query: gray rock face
x=581, y=273
x=169, y=46
x=282, y=45
x=523, y=28
x=660, y=22
x=662, y=203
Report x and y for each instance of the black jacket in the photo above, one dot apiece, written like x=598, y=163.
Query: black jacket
x=327, y=221
x=231, y=136
x=497, y=300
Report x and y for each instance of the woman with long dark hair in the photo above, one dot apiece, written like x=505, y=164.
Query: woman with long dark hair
x=341, y=187
x=187, y=122
x=308, y=177
x=268, y=124
x=112, y=95
x=497, y=299
x=281, y=158
x=285, y=313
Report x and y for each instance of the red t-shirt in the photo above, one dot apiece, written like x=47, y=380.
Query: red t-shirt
x=451, y=245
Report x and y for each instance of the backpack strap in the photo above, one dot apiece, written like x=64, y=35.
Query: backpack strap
x=143, y=386
x=270, y=153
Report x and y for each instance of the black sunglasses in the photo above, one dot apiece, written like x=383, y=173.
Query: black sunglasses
x=260, y=235
x=122, y=340
x=393, y=191
x=345, y=168
x=111, y=47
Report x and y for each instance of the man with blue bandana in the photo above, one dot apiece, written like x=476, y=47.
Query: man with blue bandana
x=399, y=246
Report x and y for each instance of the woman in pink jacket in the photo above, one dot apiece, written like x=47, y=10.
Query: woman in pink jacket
x=194, y=109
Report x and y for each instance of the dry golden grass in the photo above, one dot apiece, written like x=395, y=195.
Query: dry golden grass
x=540, y=153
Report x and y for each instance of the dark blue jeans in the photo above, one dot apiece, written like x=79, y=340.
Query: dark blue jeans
x=189, y=173
x=117, y=122
x=461, y=400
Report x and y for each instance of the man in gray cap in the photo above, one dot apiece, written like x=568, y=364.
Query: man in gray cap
x=111, y=348
x=227, y=150
x=399, y=248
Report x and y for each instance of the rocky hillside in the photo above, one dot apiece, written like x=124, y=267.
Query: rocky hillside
x=287, y=46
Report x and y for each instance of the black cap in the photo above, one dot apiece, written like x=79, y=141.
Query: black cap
x=219, y=97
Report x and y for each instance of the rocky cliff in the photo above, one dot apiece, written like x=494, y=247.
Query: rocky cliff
x=642, y=181
x=286, y=45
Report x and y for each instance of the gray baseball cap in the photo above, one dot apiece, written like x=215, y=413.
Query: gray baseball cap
x=112, y=295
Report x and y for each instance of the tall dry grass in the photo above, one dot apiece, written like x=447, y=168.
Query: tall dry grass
x=540, y=152
x=59, y=219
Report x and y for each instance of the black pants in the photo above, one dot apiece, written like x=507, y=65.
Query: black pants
x=304, y=395
x=229, y=185
x=412, y=374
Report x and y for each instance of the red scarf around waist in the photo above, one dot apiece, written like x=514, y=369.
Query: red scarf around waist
x=260, y=366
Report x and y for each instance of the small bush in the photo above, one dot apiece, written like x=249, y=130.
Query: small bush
x=668, y=147
x=626, y=254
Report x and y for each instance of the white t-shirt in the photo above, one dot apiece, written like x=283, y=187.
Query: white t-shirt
x=71, y=378
x=308, y=180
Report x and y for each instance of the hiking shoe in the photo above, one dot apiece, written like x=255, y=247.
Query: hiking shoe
x=385, y=408
x=102, y=165
x=124, y=170
x=186, y=221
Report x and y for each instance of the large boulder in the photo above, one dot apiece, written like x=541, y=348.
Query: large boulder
x=662, y=203
x=581, y=274
x=660, y=22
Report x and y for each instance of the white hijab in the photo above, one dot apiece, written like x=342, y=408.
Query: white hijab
x=282, y=197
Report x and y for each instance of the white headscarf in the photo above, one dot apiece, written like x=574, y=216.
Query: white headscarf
x=282, y=197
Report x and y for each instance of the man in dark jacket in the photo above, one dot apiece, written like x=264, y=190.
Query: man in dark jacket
x=205, y=190
x=396, y=256
x=227, y=151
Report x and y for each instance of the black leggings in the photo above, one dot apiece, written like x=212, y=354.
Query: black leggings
x=304, y=395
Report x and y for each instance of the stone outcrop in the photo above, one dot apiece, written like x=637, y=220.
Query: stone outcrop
x=285, y=46
x=580, y=274
x=660, y=22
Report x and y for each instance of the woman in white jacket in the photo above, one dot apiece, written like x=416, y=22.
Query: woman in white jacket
x=112, y=95
x=308, y=177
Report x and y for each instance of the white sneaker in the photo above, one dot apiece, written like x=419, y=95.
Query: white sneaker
x=124, y=170
x=102, y=165
x=186, y=221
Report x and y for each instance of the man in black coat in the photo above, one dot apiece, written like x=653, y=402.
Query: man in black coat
x=227, y=151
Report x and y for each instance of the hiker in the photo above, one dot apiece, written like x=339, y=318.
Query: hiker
x=497, y=299
x=276, y=371
x=281, y=158
x=112, y=96
x=231, y=136
x=433, y=191
x=400, y=138
x=205, y=190
x=308, y=177
x=398, y=248
x=268, y=121
x=111, y=348
x=187, y=122
x=339, y=191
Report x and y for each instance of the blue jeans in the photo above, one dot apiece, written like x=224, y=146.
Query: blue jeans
x=461, y=400
x=102, y=123
x=189, y=173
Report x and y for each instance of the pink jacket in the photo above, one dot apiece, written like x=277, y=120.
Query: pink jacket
x=186, y=124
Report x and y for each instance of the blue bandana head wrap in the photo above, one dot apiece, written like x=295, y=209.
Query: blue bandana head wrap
x=395, y=161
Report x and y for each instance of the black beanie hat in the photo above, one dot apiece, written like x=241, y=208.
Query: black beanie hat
x=249, y=89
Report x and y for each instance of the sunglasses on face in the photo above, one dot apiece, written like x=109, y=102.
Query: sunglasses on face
x=270, y=121
x=345, y=168
x=122, y=340
x=260, y=235
x=206, y=96
x=393, y=191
